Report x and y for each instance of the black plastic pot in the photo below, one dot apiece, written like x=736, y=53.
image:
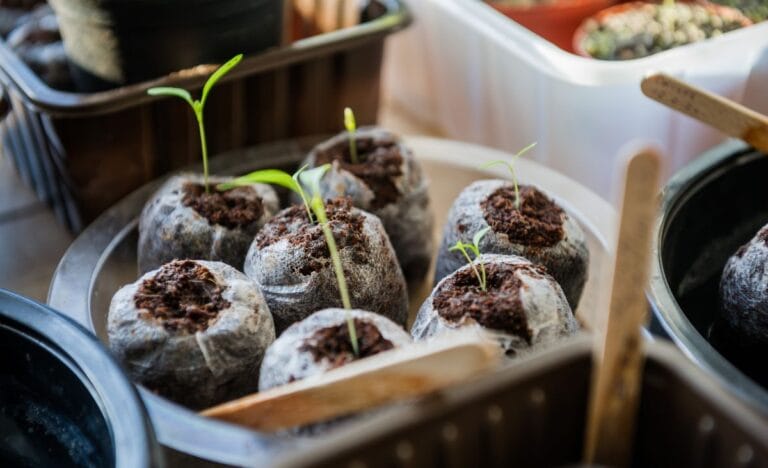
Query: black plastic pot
x=709, y=209
x=116, y=42
x=63, y=400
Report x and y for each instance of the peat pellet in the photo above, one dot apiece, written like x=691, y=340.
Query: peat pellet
x=290, y=262
x=744, y=291
x=321, y=342
x=388, y=182
x=192, y=331
x=522, y=306
x=540, y=231
x=182, y=221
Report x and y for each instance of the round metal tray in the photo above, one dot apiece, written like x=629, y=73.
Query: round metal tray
x=103, y=258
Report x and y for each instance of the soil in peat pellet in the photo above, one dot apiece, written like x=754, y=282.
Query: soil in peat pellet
x=293, y=223
x=538, y=222
x=334, y=344
x=499, y=307
x=236, y=208
x=183, y=296
x=379, y=164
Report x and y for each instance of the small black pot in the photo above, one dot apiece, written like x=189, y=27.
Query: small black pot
x=65, y=401
x=709, y=209
x=116, y=42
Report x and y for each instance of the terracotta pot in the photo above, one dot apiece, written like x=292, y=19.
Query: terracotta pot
x=580, y=34
x=555, y=21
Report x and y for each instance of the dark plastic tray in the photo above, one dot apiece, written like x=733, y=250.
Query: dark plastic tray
x=533, y=414
x=83, y=152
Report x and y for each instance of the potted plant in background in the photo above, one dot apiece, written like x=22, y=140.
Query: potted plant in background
x=554, y=20
x=113, y=43
x=755, y=10
x=638, y=29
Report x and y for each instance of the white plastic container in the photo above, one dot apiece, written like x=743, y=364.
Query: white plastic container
x=478, y=76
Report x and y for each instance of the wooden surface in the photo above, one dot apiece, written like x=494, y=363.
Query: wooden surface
x=618, y=353
x=727, y=116
x=31, y=241
x=396, y=375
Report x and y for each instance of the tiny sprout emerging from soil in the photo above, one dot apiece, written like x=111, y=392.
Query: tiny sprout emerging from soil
x=351, y=125
x=274, y=177
x=311, y=179
x=474, y=247
x=198, y=106
x=511, y=166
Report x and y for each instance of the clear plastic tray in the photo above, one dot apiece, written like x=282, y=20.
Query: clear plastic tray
x=480, y=77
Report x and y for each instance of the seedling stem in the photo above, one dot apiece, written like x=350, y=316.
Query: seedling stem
x=474, y=247
x=198, y=106
x=203, y=145
x=351, y=125
x=312, y=180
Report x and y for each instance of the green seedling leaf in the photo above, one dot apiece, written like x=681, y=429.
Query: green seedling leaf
x=479, y=236
x=279, y=178
x=312, y=178
x=168, y=91
x=300, y=190
x=216, y=76
x=474, y=247
x=511, y=167
x=265, y=176
x=198, y=106
x=351, y=125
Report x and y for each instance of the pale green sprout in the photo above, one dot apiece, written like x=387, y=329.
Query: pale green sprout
x=273, y=177
x=511, y=167
x=474, y=247
x=351, y=126
x=311, y=179
x=198, y=106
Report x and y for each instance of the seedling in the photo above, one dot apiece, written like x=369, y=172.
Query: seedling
x=198, y=106
x=351, y=125
x=474, y=247
x=311, y=179
x=511, y=166
x=275, y=177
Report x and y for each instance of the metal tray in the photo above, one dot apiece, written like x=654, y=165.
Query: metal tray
x=103, y=258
